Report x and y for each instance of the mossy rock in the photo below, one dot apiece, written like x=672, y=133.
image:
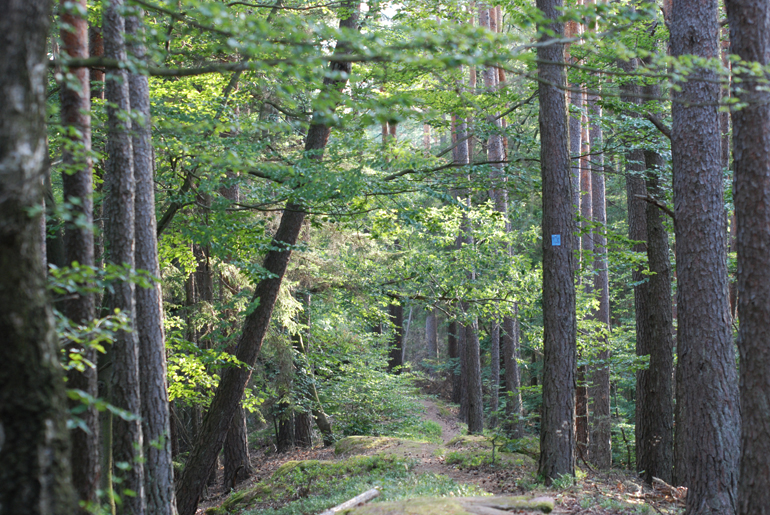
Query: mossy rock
x=529, y=445
x=470, y=441
x=308, y=475
x=456, y=506
x=353, y=445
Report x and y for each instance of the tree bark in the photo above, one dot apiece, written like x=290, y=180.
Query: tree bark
x=557, y=434
x=158, y=467
x=454, y=353
x=396, y=353
x=709, y=425
x=494, y=373
x=127, y=441
x=655, y=389
x=35, y=476
x=77, y=190
x=233, y=381
x=510, y=351
x=475, y=399
x=749, y=33
x=236, y=452
x=600, y=441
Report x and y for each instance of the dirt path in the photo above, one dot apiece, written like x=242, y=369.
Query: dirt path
x=449, y=427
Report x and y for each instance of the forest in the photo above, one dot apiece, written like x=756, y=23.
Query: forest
x=481, y=256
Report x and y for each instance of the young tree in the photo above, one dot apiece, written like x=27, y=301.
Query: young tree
x=34, y=442
x=708, y=429
x=557, y=434
x=749, y=26
x=233, y=382
x=77, y=190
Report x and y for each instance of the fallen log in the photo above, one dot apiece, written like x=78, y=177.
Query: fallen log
x=355, y=501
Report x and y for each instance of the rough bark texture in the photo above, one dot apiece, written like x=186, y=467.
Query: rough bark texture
x=233, y=381
x=34, y=442
x=127, y=441
x=750, y=37
x=77, y=189
x=236, y=452
x=709, y=425
x=475, y=399
x=396, y=353
x=454, y=353
x=655, y=389
x=494, y=373
x=600, y=446
x=158, y=467
x=557, y=434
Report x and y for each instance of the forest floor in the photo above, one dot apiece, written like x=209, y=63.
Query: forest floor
x=461, y=464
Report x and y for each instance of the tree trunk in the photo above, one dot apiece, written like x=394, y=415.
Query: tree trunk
x=453, y=350
x=233, y=381
x=600, y=441
x=236, y=452
x=749, y=25
x=35, y=471
x=557, y=434
x=709, y=424
x=655, y=389
x=127, y=442
x=475, y=399
x=510, y=351
x=396, y=353
x=494, y=373
x=77, y=189
x=576, y=101
x=158, y=467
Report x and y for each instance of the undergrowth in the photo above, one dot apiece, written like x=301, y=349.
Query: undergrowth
x=312, y=486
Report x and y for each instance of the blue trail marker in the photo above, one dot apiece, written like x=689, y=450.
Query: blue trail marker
x=556, y=240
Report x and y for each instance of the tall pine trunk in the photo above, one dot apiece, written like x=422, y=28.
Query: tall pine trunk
x=77, y=190
x=557, y=434
x=600, y=441
x=156, y=429
x=709, y=427
x=127, y=441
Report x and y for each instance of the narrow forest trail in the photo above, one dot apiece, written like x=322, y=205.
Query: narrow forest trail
x=464, y=459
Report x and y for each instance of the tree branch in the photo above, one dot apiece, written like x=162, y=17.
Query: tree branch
x=662, y=127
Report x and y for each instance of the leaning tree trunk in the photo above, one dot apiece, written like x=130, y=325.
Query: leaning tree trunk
x=600, y=445
x=557, y=434
x=77, y=190
x=156, y=429
x=127, y=442
x=709, y=427
x=233, y=382
x=749, y=29
x=34, y=453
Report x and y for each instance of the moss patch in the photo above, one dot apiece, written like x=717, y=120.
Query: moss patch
x=382, y=445
x=457, y=506
x=473, y=451
x=295, y=479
